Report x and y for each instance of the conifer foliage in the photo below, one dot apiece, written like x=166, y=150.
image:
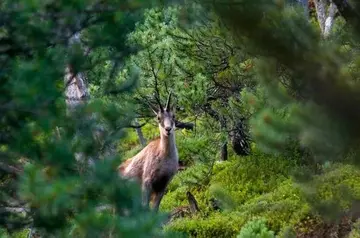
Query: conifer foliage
x=309, y=77
x=43, y=186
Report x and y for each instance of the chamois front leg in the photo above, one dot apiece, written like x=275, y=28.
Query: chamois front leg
x=157, y=200
x=146, y=193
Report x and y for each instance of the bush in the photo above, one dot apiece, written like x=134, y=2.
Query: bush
x=246, y=190
x=256, y=186
x=256, y=229
x=333, y=192
x=355, y=232
x=337, y=181
x=194, y=179
x=282, y=207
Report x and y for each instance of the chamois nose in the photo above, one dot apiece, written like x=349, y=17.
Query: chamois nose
x=168, y=129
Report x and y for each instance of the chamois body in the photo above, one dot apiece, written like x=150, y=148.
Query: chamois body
x=156, y=164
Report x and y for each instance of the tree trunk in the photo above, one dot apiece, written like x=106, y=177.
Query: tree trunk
x=140, y=134
x=320, y=6
x=330, y=19
x=224, y=152
x=76, y=90
x=240, y=141
x=325, y=18
x=224, y=148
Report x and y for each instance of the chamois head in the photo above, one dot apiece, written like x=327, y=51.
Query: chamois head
x=166, y=118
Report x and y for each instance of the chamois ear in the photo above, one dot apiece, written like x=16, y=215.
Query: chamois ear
x=168, y=106
x=155, y=112
x=153, y=109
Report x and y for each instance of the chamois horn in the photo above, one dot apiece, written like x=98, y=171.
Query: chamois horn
x=167, y=107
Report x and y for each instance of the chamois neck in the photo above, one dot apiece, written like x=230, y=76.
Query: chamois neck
x=167, y=143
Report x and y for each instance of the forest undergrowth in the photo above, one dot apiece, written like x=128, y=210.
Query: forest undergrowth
x=264, y=104
x=256, y=193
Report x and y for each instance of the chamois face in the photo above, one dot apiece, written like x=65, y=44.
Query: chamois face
x=166, y=120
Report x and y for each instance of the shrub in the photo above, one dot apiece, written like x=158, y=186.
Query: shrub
x=282, y=207
x=338, y=180
x=333, y=192
x=355, y=232
x=194, y=179
x=257, y=186
x=242, y=183
x=256, y=229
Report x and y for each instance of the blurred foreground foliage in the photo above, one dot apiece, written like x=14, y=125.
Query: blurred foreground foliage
x=45, y=184
x=242, y=71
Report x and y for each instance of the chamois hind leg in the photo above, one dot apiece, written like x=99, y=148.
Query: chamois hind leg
x=157, y=200
x=146, y=193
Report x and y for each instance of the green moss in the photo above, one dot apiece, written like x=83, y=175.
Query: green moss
x=259, y=186
x=249, y=177
x=256, y=186
x=216, y=225
x=21, y=234
x=282, y=207
x=18, y=234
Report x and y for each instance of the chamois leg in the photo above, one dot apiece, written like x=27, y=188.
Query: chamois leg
x=146, y=193
x=157, y=200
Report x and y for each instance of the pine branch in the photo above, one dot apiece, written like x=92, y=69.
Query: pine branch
x=350, y=14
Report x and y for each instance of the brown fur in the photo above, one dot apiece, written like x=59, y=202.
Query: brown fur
x=156, y=164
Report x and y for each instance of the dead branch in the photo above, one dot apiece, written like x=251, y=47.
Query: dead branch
x=184, y=125
x=156, y=88
x=192, y=202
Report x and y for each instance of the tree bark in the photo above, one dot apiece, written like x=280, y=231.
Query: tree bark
x=76, y=92
x=325, y=17
x=76, y=89
x=224, y=148
x=320, y=6
x=140, y=134
x=224, y=152
x=240, y=140
x=330, y=19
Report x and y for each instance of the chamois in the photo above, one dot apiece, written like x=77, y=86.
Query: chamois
x=156, y=164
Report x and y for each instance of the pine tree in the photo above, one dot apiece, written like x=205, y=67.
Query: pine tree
x=310, y=83
x=200, y=57
x=42, y=184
